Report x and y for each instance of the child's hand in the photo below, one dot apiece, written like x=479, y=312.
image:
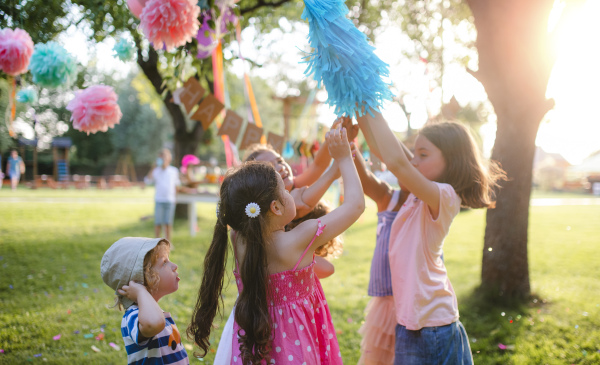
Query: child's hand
x=337, y=142
x=351, y=128
x=132, y=290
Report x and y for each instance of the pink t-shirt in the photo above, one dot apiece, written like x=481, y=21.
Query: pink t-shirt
x=423, y=294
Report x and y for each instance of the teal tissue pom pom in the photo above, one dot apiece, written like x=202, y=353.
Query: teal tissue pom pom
x=124, y=50
x=52, y=66
x=343, y=60
x=27, y=96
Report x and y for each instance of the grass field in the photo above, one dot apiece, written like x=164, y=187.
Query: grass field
x=50, y=251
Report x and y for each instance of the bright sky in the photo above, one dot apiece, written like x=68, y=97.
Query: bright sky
x=571, y=129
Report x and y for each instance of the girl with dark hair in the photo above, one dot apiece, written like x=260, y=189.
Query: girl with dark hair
x=281, y=313
x=445, y=173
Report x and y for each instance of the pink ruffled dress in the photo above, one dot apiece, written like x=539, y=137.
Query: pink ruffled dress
x=303, y=331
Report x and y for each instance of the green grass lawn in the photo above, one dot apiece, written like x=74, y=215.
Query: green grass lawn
x=50, y=280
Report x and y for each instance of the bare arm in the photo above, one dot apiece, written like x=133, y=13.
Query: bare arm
x=374, y=188
x=315, y=169
x=386, y=146
x=345, y=215
x=310, y=196
x=323, y=268
x=151, y=319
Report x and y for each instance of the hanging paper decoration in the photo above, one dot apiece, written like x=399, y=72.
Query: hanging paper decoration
x=51, y=65
x=136, y=7
x=343, y=60
x=16, y=48
x=171, y=23
x=206, y=38
x=124, y=49
x=27, y=96
x=95, y=109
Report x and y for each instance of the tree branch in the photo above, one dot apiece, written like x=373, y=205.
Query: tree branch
x=261, y=4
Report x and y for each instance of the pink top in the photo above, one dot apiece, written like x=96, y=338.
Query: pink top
x=303, y=331
x=423, y=294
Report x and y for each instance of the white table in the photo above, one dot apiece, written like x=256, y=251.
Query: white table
x=191, y=200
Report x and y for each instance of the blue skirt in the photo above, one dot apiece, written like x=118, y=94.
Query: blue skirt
x=447, y=345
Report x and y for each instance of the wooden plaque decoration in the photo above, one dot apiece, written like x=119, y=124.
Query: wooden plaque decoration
x=191, y=94
x=251, y=136
x=231, y=125
x=276, y=141
x=208, y=110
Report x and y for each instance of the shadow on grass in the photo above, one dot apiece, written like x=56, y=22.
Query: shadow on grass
x=494, y=325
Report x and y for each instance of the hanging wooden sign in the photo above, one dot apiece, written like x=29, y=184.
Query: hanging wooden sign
x=276, y=141
x=251, y=136
x=232, y=124
x=208, y=109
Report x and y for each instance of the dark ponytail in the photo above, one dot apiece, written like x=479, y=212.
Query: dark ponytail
x=253, y=182
x=209, y=294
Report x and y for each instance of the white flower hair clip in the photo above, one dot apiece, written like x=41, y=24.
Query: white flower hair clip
x=218, y=206
x=252, y=210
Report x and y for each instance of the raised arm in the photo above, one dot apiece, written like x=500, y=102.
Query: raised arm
x=307, y=199
x=346, y=214
x=315, y=169
x=374, y=188
x=390, y=150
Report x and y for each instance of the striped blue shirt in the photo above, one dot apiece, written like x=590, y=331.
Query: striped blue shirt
x=380, y=282
x=164, y=348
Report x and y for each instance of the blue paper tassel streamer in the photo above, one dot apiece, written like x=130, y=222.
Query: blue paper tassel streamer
x=343, y=60
x=51, y=65
x=124, y=50
x=27, y=96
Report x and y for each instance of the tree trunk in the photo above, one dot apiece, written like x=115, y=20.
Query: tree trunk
x=514, y=67
x=186, y=142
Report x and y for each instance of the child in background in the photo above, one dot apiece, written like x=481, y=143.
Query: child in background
x=445, y=173
x=139, y=271
x=167, y=183
x=15, y=167
x=281, y=313
x=378, y=330
x=309, y=187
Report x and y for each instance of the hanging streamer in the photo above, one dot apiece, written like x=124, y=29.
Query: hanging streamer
x=219, y=87
x=12, y=106
x=248, y=85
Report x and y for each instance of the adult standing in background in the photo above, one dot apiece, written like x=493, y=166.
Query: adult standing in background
x=166, y=182
x=15, y=167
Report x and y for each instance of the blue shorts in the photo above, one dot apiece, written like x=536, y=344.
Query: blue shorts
x=164, y=213
x=446, y=345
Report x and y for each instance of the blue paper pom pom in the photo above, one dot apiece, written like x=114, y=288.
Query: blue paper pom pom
x=343, y=60
x=27, y=96
x=124, y=50
x=52, y=66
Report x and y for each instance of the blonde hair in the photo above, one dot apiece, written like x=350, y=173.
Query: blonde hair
x=330, y=249
x=151, y=277
x=473, y=180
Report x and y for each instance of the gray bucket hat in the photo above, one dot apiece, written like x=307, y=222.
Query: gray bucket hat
x=124, y=261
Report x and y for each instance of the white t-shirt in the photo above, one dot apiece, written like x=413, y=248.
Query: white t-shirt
x=165, y=181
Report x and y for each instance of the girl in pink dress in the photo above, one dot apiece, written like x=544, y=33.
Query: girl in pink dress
x=281, y=314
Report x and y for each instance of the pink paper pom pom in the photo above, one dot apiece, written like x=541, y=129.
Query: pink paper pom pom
x=136, y=7
x=95, y=109
x=170, y=22
x=16, y=48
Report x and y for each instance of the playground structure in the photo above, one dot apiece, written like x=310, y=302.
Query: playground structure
x=60, y=156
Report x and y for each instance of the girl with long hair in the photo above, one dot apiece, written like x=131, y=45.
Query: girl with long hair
x=281, y=313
